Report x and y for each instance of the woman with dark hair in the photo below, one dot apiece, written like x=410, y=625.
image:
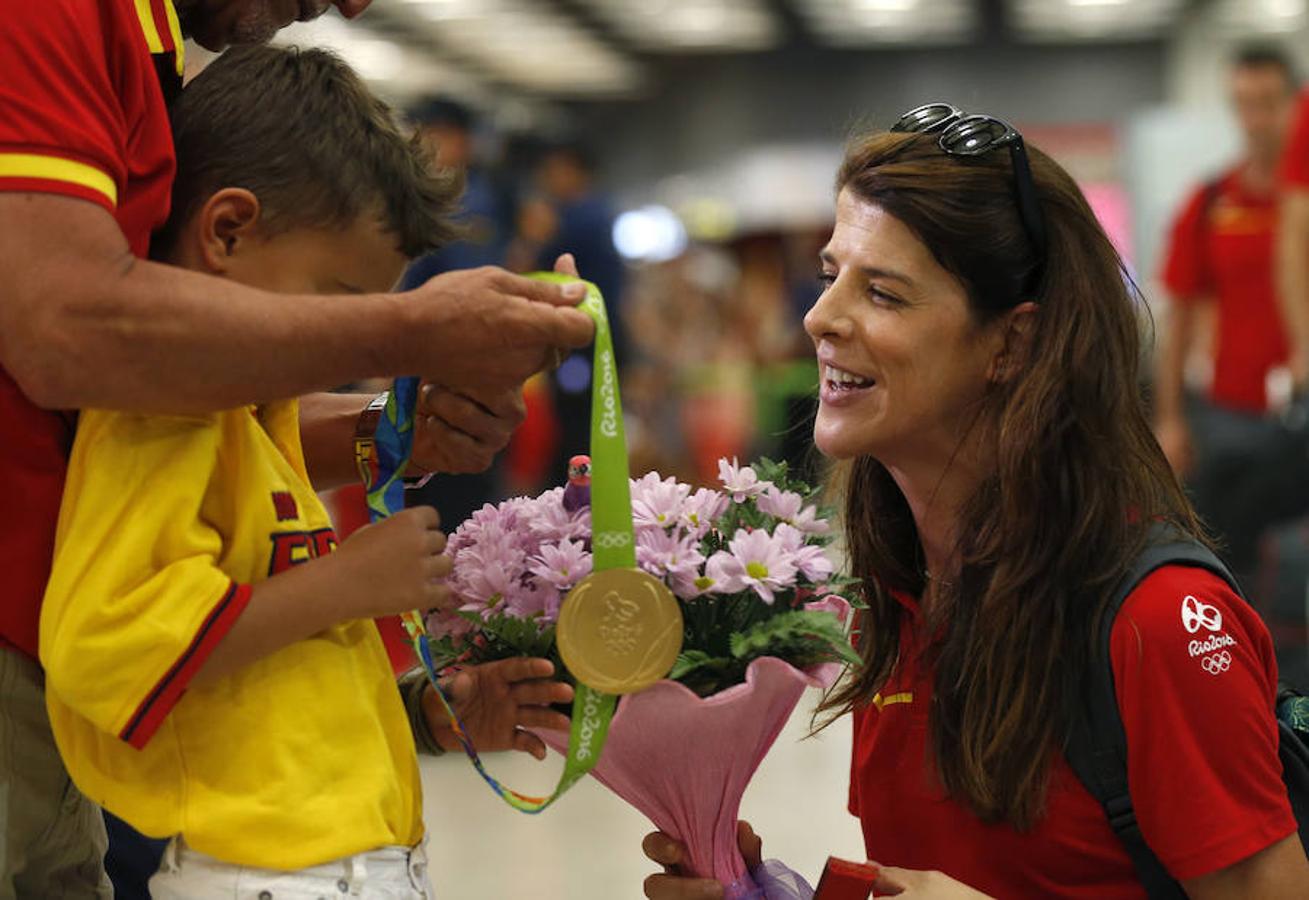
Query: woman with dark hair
x=978, y=341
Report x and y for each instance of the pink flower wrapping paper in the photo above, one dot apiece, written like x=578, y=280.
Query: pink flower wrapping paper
x=685, y=760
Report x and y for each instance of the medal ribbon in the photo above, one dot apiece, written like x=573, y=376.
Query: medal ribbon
x=613, y=543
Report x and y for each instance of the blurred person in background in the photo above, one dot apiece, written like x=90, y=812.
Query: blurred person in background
x=1293, y=242
x=449, y=128
x=1284, y=553
x=567, y=212
x=1240, y=463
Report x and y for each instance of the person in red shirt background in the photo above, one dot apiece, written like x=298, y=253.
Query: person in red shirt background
x=1293, y=241
x=86, y=320
x=1241, y=466
x=999, y=475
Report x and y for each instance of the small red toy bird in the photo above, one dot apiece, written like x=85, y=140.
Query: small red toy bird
x=578, y=493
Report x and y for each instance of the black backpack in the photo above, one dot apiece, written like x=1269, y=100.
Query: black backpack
x=1097, y=751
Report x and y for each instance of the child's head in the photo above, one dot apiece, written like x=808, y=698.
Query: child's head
x=292, y=177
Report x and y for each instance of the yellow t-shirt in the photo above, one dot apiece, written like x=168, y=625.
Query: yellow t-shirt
x=300, y=758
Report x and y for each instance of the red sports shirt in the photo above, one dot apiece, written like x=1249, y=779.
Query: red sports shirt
x=1221, y=247
x=1196, y=679
x=1295, y=157
x=82, y=114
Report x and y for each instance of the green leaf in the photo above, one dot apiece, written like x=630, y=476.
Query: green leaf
x=693, y=660
x=798, y=636
x=445, y=652
x=508, y=635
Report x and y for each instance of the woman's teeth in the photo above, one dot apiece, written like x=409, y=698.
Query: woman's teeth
x=844, y=380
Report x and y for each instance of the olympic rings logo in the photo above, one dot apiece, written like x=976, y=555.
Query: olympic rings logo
x=1217, y=663
x=609, y=540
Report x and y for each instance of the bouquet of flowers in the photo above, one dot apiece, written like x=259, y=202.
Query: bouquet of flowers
x=763, y=621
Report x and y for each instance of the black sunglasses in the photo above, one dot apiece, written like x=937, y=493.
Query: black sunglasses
x=966, y=135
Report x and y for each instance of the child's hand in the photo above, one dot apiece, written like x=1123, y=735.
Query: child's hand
x=393, y=566
x=496, y=702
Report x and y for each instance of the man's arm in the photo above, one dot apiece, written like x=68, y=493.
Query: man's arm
x=1293, y=278
x=84, y=324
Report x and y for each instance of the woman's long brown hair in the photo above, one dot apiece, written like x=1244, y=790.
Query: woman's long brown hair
x=1078, y=476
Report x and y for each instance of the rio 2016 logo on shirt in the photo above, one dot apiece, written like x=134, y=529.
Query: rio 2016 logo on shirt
x=1197, y=615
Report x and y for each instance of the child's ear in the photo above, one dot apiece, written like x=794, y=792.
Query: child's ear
x=227, y=222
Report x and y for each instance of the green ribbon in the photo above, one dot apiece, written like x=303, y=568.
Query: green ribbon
x=613, y=539
x=613, y=545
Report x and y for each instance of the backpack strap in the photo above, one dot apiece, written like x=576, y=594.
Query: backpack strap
x=1097, y=750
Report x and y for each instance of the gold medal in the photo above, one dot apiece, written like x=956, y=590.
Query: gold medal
x=619, y=630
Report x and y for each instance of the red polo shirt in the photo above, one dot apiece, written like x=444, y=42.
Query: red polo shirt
x=1196, y=679
x=1221, y=247
x=82, y=114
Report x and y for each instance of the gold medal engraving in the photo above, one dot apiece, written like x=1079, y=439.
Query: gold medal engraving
x=619, y=630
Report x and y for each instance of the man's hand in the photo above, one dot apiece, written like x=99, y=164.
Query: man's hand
x=496, y=702
x=483, y=331
x=458, y=433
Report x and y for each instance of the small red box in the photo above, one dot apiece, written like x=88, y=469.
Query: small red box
x=845, y=880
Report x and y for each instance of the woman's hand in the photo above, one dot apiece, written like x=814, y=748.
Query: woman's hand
x=497, y=702
x=672, y=885
x=914, y=884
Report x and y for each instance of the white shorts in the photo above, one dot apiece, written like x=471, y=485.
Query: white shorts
x=389, y=873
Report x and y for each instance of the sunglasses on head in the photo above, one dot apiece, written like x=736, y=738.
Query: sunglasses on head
x=971, y=135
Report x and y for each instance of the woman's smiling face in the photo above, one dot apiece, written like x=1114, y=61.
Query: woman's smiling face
x=903, y=364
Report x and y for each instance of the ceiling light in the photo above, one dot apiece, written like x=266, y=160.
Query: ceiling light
x=1090, y=20
x=677, y=25
x=515, y=41
x=871, y=22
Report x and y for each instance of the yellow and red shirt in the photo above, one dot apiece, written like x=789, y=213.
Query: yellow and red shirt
x=82, y=114
x=1221, y=248
x=1195, y=677
x=303, y=756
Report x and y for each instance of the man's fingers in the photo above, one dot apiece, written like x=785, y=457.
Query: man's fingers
x=752, y=847
x=674, y=887
x=566, y=264
x=542, y=717
x=522, y=668
x=662, y=849
x=569, y=294
x=540, y=693
x=470, y=417
x=527, y=742
x=573, y=328
x=507, y=404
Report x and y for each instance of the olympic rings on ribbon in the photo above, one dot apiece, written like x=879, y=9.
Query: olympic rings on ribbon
x=611, y=539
